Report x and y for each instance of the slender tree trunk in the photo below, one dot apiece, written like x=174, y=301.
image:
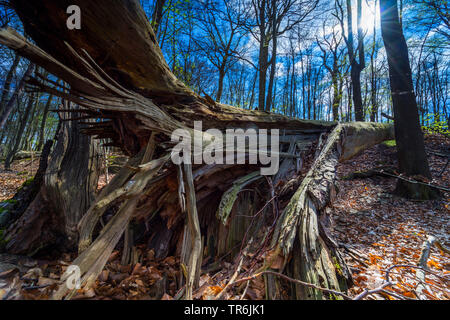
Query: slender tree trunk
x=43, y=122
x=17, y=92
x=157, y=15
x=19, y=133
x=355, y=72
x=8, y=81
x=27, y=136
x=252, y=96
x=263, y=57
x=220, y=86
x=273, y=57
x=411, y=153
x=336, y=98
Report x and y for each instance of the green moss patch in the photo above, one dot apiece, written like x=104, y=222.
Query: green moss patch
x=390, y=143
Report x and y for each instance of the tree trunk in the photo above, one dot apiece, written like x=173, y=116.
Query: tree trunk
x=412, y=158
x=44, y=120
x=355, y=72
x=263, y=66
x=65, y=194
x=336, y=94
x=5, y=112
x=273, y=58
x=8, y=81
x=19, y=133
x=157, y=15
x=220, y=85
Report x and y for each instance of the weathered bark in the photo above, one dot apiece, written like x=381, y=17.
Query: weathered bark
x=191, y=257
x=301, y=237
x=72, y=177
x=92, y=260
x=65, y=194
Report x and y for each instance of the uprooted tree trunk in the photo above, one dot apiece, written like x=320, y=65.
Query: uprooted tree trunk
x=142, y=103
x=301, y=235
x=57, y=201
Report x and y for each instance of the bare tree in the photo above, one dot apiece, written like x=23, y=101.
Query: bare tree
x=354, y=54
x=221, y=36
x=330, y=45
x=271, y=20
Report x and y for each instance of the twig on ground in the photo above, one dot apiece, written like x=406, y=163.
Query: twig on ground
x=444, y=168
x=367, y=292
x=355, y=255
x=302, y=283
x=236, y=272
x=245, y=291
x=420, y=273
x=417, y=182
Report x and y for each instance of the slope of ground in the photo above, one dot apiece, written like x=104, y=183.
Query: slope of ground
x=380, y=230
x=11, y=180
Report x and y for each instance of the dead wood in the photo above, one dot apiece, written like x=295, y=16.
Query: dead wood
x=192, y=245
x=300, y=233
x=424, y=256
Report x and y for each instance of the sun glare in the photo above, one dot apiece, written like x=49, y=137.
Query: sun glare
x=368, y=15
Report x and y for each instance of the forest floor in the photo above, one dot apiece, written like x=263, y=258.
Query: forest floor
x=382, y=230
x=11, y=180
x=375, y=230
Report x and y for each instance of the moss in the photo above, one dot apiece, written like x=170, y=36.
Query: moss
x=335, y=297
x=28, y=182
x=11, y=201
x=337, y=266
x=22, y=173
x=230, y=196
x=390, y=143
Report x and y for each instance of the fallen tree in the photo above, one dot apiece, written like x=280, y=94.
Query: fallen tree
x=140, y=103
